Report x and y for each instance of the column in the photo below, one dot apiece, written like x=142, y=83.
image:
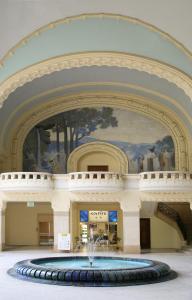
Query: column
x=131, y=232
x=130, y=205
x=2, y=225
x=61, y=215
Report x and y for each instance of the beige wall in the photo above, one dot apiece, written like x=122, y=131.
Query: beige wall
x=21, y=222
x=97, y=153
x=163, y=235
x=98, y=158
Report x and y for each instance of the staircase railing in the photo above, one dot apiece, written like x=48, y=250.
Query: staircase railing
x=172, y=214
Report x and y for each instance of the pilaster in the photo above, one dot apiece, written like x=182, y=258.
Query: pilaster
x=2, y=225
x=130, y=205
x=61, y=214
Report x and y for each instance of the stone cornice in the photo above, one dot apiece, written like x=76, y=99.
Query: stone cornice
x=166, y=197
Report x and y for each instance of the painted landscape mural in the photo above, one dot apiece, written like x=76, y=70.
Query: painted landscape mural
x=147, y=144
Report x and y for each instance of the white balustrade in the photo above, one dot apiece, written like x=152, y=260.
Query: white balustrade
x=172, y=181
x=60, y=181
x=131, y=181
x=95, y=181
x=25, y=181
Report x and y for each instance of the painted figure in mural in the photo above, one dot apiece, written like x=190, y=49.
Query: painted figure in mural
x=140, y=163
x=151, y=160
x=161, y=161
x=167, y=159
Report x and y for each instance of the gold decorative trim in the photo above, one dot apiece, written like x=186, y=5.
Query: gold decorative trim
x=83, y=17
x=96, y=59
x=45, y=111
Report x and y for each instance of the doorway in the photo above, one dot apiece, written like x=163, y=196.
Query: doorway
x=97, y=168
x=145, y=233
x=45, y=229
x=103, y=220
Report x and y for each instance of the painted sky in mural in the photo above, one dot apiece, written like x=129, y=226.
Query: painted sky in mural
x=147, y=143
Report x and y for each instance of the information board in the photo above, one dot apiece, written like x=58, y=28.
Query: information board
x=64, y=241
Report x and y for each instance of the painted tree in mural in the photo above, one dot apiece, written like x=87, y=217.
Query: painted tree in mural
x=74, y=125
x=77, y=124
x=80, y=123
x=34, y=147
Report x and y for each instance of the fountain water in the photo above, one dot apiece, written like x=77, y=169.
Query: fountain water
x=91, y=249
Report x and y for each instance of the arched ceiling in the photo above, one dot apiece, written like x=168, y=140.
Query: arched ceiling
x=93, y=33
x=106, y=80
x=18, y=18
x=100, y=34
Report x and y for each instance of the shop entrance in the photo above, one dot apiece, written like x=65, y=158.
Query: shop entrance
x=103, y=233
x=102, y=221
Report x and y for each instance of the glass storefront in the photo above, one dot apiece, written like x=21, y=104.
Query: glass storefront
x=101, y=224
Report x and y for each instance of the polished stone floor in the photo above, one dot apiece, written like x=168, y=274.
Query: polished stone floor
x=177, y=289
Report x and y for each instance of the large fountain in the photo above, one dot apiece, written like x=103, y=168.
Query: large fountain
x=92, y=270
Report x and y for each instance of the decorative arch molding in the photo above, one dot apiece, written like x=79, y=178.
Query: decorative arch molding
x=99, y=147
x=88, y=59
x=116, y=17
x=137, y=104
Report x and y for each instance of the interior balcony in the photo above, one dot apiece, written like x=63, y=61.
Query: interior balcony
x=95, y=182
x=25, y=181
x=161, y=181
x=165, y=181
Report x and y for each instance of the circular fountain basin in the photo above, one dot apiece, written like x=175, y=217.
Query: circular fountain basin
x=105, y=271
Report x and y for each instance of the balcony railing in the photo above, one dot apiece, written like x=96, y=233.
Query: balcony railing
x=165, y=181
x=25, y=181
x=95, y=181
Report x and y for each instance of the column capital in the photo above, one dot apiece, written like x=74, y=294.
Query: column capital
x=130, y=207
x=61, y=213
x=130, y=213
x=3, y=205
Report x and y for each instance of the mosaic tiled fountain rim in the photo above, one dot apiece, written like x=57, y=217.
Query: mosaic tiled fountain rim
x=31, y=270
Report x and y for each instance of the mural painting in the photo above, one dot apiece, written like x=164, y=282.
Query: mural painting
x=147, y=144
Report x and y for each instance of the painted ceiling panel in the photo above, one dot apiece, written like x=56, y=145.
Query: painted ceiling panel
x=93, y=80
x=96, y=33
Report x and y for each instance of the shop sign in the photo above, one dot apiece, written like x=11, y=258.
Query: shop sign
x=98, y=216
